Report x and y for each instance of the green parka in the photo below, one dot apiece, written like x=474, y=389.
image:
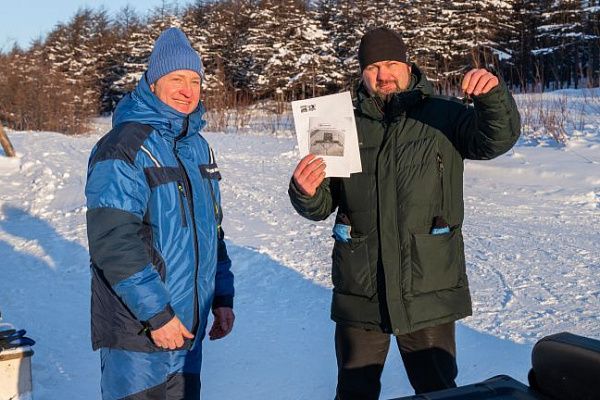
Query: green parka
x=394, y=275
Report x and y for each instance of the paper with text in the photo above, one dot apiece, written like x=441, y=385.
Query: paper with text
x=325, y=127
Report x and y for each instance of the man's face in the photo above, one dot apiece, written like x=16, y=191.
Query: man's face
x=386, y=77
x=179, y=89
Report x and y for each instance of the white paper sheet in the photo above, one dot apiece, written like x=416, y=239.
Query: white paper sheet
x=325, y=127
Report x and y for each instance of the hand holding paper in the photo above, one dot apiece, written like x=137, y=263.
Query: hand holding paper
x=309, y=174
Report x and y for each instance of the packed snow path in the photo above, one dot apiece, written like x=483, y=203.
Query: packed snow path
x=531, y=237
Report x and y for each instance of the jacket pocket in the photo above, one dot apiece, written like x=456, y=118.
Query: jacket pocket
x=437, y=261
x=212, y=176
x=351, y=271
x=182, y=201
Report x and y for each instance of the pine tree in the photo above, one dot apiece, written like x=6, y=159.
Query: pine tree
x=559, y=39
x=592, y=42
x=79, y=50
x=448, y=38
x=217, y=31
x=522, y=69
x=137, y=49
x=302, y=63
x=116, y=81
x=69, y=51
x=346, y=32
x=257, y=49
x=103, y=44
x=429, y=46
x=290, y=49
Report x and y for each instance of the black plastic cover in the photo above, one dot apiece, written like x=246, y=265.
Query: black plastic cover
x=566, y=367
x=501, y=387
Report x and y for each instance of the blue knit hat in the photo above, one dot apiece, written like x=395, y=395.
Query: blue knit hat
x=172, y=51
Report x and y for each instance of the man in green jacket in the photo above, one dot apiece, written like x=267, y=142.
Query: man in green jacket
x=398, y=259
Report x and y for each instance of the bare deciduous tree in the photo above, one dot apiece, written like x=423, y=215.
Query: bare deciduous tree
x=6, y=144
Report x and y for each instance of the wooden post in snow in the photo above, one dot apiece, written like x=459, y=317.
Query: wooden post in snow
x=6, y=144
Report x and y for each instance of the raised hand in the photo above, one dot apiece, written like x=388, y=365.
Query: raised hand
x=479, y=81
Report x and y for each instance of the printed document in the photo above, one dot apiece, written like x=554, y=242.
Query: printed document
x=325, y=127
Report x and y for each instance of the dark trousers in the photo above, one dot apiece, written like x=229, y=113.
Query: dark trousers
x=177, y=387
x=428, y=356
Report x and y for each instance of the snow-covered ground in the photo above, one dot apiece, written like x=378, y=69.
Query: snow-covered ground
x=531, y=237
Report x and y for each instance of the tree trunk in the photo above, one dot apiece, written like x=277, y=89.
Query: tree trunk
x=5, y=142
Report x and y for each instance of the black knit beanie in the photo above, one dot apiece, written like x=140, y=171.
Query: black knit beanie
x=381, y=44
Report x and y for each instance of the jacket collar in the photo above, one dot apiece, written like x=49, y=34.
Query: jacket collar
x=144, y=107
x=376, y=108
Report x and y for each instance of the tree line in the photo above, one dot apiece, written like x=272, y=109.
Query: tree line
x=285, y=50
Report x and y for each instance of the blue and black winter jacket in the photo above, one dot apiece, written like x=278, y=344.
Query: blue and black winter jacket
x=154, y=225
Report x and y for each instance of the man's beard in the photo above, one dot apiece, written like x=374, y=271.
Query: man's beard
x=391, y=87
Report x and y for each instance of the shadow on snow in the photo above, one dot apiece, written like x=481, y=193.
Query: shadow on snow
x=281, y=346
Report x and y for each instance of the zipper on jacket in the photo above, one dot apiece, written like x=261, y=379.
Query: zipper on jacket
x=188, y=188
x=216, y=209
x=440, y=162
x=182, y=201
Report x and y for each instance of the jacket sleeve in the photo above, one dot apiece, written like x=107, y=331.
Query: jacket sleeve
x=490, y=128
x=117, y=195
x=224, y=287
x=321, y=205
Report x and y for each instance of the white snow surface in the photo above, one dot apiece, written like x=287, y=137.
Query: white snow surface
x=531, y=238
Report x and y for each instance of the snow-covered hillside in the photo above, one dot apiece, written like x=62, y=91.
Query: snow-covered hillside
x=531, y=237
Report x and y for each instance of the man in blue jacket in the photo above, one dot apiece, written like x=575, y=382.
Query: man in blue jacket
x=158, y=259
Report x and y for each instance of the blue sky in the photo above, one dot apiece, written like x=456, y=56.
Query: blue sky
x=22, y=21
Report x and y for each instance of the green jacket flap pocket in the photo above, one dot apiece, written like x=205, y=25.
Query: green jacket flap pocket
x=437, y=261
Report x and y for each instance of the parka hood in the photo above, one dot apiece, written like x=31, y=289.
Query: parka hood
x=142, y=106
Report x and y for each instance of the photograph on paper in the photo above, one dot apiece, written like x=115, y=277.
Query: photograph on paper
x=326, y=137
